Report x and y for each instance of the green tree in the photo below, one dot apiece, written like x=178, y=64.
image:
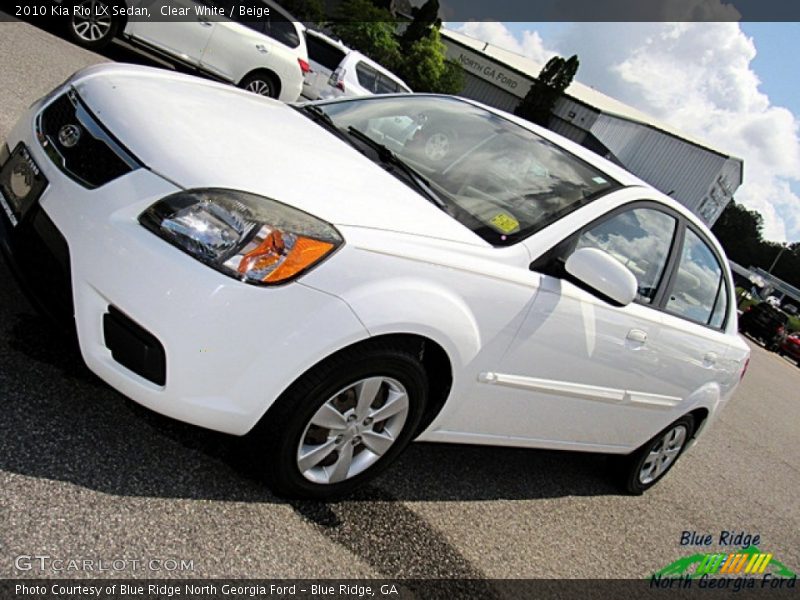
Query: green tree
x=369, y=29
x=548, y=87
x=423, y=64
x=425, y=18
x=740, y=231
x=308, y=11
x=425, y=68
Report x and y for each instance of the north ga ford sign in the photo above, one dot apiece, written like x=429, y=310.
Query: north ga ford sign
x=487, y=69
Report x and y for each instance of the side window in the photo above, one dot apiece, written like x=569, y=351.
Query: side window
x=282, y=29
x=699, y=292
x=640, y=239
x=248, y=20
x=367, y=76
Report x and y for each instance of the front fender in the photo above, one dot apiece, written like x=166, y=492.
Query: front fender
x=406, y=305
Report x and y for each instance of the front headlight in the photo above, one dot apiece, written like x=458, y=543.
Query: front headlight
x=249, y=237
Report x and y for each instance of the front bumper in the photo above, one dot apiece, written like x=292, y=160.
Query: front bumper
x=230, y=349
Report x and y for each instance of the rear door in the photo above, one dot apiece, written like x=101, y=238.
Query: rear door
x=693, y=345
x=185, y=38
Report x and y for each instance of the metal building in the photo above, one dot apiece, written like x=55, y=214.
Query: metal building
x=691, y=171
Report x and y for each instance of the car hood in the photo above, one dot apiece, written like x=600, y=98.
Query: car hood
x=198, y=133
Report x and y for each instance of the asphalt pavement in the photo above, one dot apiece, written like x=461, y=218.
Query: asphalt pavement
x=85, y=474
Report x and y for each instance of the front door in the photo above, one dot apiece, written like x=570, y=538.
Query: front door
x=582, y=371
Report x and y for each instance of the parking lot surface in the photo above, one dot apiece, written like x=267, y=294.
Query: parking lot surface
x=86, y=474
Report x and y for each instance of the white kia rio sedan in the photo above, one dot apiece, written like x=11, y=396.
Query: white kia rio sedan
x=336, y=280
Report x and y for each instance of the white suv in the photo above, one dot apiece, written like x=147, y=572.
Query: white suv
x=264, y=55
x=337, y=71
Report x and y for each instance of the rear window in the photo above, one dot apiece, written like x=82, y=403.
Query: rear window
x=320, y=51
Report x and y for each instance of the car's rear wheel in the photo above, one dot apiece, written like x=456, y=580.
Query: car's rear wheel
x=647, y=466
x=260, y=83
x=92, y=24
x=342, y=423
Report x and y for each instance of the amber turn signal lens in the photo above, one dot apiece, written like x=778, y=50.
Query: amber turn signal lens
x=306, y=252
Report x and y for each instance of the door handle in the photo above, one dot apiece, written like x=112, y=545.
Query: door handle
x=710, y=359
x=637, y=336
x=262, y=48
x=204, y=22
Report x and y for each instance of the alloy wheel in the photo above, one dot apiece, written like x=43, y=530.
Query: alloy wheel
x=260, y=87
x=90, y=23
x=352, y=430
x=662, y=454
x=437, y=146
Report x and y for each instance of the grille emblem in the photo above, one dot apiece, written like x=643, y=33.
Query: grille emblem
x=69, y=135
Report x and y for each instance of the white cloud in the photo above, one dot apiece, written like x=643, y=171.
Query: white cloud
x=497, y=34
x=698, y=78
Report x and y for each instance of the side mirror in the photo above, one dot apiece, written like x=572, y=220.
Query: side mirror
x=600, y=272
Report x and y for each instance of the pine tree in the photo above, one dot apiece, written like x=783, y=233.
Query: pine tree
x=552, y=81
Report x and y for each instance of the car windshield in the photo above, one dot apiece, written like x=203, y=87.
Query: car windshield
x=499, y=179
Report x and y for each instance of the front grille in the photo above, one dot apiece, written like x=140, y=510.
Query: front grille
x=79, y=144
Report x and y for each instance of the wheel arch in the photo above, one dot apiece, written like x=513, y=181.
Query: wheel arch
x=700, y=416
x=434, y=358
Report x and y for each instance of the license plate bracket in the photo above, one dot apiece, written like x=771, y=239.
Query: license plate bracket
x=21, y=184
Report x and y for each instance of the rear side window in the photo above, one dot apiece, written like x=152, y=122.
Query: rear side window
x=386, y=85
x=640, y=239
x=699, y=292
x=367, y=76
x=282, y=29
x=322, y=52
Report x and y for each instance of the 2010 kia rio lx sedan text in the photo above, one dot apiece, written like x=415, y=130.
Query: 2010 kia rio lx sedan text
x=335, y=280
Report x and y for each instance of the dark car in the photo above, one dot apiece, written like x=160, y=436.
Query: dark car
x=791, y=347
x=766, y=323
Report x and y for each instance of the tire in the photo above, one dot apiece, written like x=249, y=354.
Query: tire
x=261, y=83
x=635, y=476
x=95, y=31
x=317, y=442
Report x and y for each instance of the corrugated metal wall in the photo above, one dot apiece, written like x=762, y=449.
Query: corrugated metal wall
x=667, y=163
x=568, y=130
x=579, y=115
x=483, y=91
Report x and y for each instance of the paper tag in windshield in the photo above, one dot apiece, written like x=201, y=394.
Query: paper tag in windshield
x=505, y=223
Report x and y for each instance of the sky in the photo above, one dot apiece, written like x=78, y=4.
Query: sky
x=732, y=84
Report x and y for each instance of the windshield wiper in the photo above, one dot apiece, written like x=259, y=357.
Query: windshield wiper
x=316, y=114
x=388, y=157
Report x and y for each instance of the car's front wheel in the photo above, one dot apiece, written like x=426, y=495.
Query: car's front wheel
x=645, y=467
x=92, y=24
x=343, y=422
